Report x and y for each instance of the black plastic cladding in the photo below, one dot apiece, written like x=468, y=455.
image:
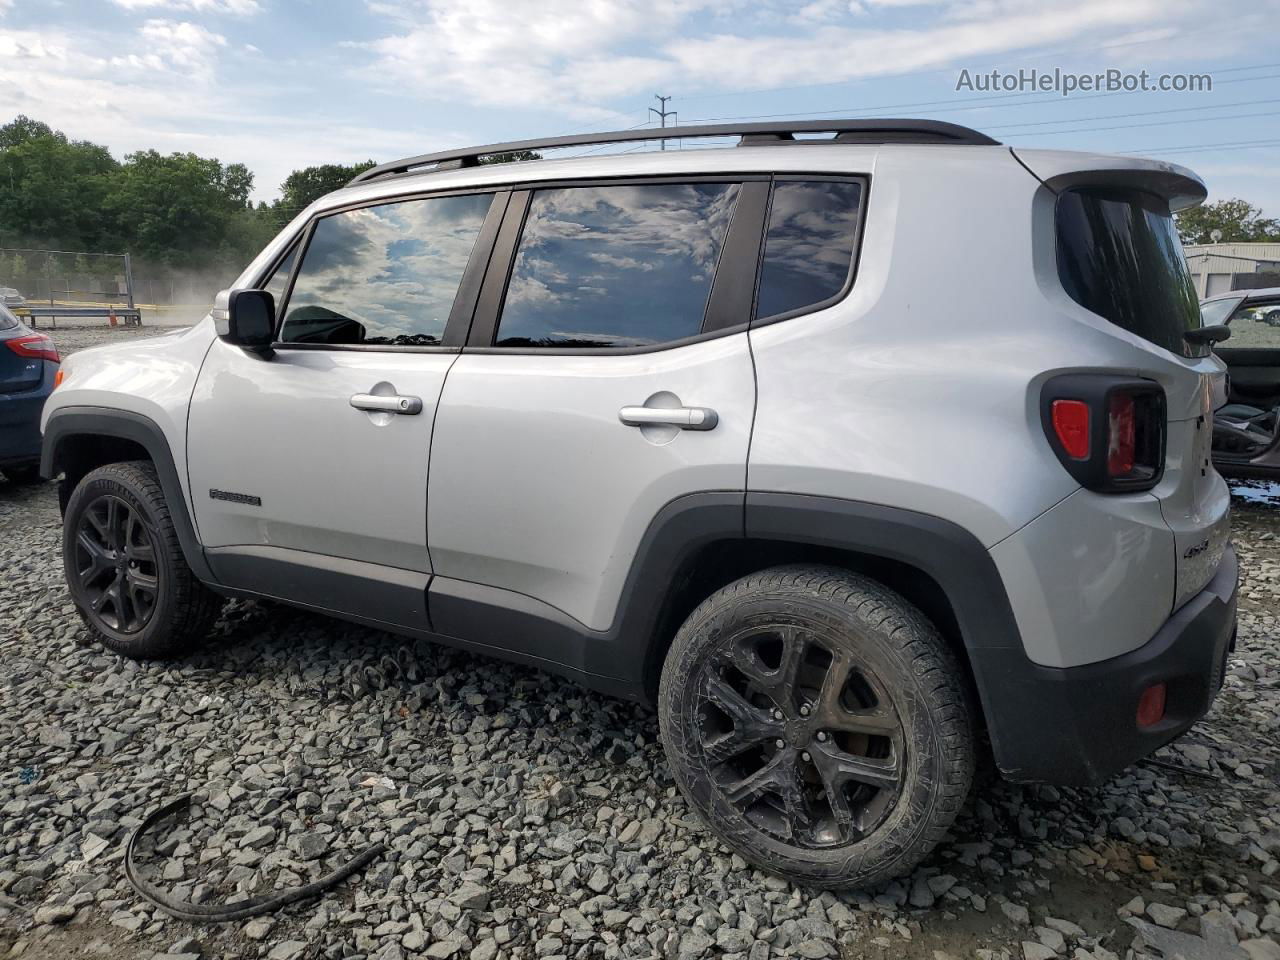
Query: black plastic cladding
x=752, y=134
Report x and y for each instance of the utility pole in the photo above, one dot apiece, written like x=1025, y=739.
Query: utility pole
x=663, y=114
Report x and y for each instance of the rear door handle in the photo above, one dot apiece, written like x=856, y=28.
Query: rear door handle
x=392, y=404
x=686, y=418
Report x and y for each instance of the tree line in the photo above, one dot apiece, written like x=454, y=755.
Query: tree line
x=176, y=210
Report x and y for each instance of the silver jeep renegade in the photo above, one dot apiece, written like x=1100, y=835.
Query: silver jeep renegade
x=862, y=454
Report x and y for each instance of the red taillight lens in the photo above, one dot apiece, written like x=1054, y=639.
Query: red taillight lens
x=36, y=345
x=1122, y=436
x=1151, y=705
x=1071, y=424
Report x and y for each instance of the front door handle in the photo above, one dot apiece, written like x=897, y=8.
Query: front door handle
x=686, y=418
x=392, y=404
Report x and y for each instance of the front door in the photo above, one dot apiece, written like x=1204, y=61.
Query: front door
x=610, y=376
x=309, y=468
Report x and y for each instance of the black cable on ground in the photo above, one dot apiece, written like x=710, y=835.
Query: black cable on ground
x=224, y=913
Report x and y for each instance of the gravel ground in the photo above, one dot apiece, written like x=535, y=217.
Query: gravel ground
x=526, y=817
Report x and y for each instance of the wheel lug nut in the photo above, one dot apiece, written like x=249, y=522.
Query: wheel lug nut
x=804, y=710
x=805, y=756
x=779, y=744
x=822, y=736
x=777, y=714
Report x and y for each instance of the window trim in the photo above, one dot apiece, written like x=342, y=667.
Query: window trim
x=855, y=257
x=752, y=204
x=464, y=300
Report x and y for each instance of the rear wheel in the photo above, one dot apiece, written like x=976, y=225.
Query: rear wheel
x=125, y=568
x=819, y=724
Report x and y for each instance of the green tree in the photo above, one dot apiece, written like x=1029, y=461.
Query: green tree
x=1239, y=221
x=303, y=186
x=180, y=208
x=22, y=128
x=512, y=156
x=51, y=188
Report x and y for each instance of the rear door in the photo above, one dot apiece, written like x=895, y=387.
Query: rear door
x=610, y=376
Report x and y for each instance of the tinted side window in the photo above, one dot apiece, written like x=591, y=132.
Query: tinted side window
x=808, y=252
x=617, y=266
x=1119, y=256
x=384, y=275
x=7, y=320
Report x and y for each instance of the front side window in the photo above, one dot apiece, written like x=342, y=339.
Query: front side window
x=1119, y=256
x=384, y=275
x=615, y=266
x=280, y=277
x=808, y=252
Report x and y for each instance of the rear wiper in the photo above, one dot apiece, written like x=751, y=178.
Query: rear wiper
x=1207, y=335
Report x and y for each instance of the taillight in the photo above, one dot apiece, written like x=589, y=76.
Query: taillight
x=1122, y=436
x=36, y=345
x=1108, y=431
x=1071, y=424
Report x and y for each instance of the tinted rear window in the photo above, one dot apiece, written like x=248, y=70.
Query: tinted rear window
x=1119, y=256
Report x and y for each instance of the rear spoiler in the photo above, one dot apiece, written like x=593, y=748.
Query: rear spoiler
x=1061, y=169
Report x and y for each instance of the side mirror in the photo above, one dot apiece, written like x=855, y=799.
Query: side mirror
x=249, y=320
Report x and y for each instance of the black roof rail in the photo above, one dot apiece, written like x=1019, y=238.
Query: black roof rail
x=750, y=134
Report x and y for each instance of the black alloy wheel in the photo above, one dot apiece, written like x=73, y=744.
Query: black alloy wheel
x=115, y=565
x=803, y=739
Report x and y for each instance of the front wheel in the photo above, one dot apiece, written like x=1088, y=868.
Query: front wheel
x=125, y=569
x=820, y=725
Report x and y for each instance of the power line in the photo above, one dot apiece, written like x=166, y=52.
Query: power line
x=1200, y=147
x=1158, y=123
x=1144, y=113
x=972, y=103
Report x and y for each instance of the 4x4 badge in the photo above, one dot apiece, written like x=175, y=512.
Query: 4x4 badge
x=1195, y=551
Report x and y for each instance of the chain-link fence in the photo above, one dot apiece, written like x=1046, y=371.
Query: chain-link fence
x=65, y=277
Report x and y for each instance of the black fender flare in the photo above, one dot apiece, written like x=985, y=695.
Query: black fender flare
x=67, y=423
x=950, y=555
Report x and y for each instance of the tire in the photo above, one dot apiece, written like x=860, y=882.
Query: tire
x=125, y=569
x=23, y=474
x=862, y=776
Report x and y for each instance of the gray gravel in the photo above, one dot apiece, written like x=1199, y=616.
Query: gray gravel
x=528, y=818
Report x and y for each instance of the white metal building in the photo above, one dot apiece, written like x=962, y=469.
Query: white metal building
x=1221, y=267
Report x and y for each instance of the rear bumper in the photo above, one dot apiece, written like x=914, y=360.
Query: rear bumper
x=20, y=422
x=1077, y=726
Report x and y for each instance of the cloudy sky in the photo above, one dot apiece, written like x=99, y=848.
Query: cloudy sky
x=279, y=84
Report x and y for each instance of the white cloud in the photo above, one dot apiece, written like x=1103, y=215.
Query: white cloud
x=236, y=8
x=578, y=56
x=185, y=48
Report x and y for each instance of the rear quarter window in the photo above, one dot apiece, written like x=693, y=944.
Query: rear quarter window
x=1119, y=256
x=7, y=320
x=808, y=252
